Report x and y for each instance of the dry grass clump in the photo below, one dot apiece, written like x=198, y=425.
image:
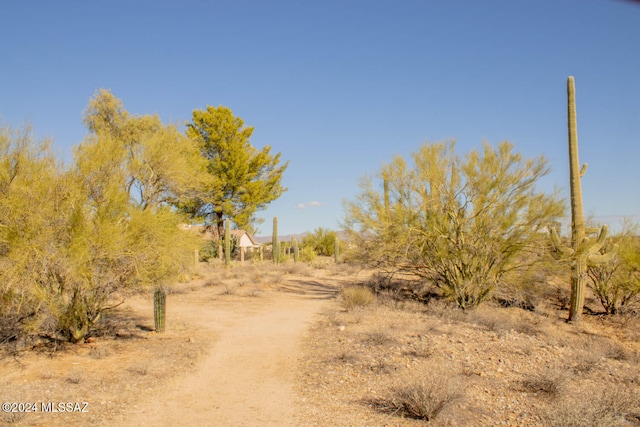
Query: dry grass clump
x=100, y=352
x=321, y=263
x=356, y=296
x=422, y=395
x=610, y=408
x=344, y=357
x=549, y=382
x=75, y=376
x=298, y=268
x=586, y=361
x=379, y=335
x=139, y=368
x=12, y=417
x=502, y=320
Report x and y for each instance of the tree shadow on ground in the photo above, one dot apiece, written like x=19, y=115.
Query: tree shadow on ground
x=310, y=289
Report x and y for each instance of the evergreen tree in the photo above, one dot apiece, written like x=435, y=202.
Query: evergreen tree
x=243, y=179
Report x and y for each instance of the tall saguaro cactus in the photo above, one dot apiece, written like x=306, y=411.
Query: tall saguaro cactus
x=275, y=248
x=583, y=250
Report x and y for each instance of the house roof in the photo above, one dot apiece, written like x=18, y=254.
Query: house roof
x=211, y=233
x=240, y=233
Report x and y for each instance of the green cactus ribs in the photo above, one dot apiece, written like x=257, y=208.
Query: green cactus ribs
x=586, y=243
x=296, y=251
x=159, y=308
x=275, y=245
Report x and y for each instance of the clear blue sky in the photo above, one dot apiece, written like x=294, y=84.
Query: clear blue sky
x=339, y=87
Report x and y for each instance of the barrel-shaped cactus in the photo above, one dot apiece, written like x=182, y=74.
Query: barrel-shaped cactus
x=584, y=250
x=159, y=308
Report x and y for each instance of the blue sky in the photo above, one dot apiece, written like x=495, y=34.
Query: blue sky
x=339, y=87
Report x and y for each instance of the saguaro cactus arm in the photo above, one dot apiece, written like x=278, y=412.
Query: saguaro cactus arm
x=583, y=169
x=594, y=248
x=560, y=249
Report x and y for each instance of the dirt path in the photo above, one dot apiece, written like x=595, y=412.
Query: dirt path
x=247, y=377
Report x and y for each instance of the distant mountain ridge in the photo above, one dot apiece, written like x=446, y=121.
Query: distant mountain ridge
x=283, y=238
x=287, y=237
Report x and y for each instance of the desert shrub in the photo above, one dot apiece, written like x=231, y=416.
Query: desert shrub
x=321, y=241
x=308, y=254
x=296, y=268
x=356, y=296
x=462, y=224
x=501, y=320
x=380, y=335
x=549, y=382
x=528, y=286
x=423, y=395
x=393, y=289
x=616, y=283
x=609, y=408
x=73, y=238
x=321, y=263
x=208, y=251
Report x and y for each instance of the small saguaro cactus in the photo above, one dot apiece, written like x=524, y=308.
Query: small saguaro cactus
x=275, y=249
x=227, y=243
x=336, y=249
x=583, y=250
x=296, y=252
x=159, y=308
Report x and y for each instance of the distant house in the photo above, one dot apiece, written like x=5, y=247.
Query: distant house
x=245, y=240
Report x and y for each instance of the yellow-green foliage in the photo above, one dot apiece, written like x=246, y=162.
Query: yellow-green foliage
x=243, y=179
x=321, y=240
x=356, y=296
x=74, y=238
x=616, y=283
x=459, y=222
x=308, y=254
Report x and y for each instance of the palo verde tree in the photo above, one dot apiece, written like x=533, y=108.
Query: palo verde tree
x=616, y=282
x=461, y=223
x=160, y=165
x=244, y=179
x=74, y=239
x=322, y=241
x=34, y=212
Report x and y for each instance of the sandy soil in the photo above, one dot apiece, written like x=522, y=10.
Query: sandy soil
x=273, y=346
x=228, y=358
x=247, y=378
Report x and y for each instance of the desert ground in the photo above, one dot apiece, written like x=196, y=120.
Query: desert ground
x=264, y=345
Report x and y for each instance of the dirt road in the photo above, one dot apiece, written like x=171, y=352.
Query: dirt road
x=247, y=377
